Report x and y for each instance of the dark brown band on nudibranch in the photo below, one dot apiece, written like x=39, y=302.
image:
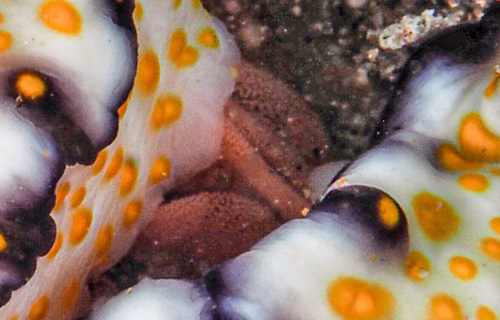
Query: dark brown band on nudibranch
x=369, y=211
x=46, y=106
x=26, y=233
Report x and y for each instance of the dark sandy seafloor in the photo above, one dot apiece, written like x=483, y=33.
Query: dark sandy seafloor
x=329, y=51
x=335, y=62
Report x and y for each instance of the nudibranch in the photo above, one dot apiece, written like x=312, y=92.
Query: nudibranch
x=67, y=68
x=58, y=102
x=410, y=230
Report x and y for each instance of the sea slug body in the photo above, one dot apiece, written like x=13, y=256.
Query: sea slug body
x=410, y=230
x=53, y=113
x=67, y=68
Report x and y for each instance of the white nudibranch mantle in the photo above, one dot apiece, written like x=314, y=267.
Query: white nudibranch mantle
x=410, y=230
x=66, y=69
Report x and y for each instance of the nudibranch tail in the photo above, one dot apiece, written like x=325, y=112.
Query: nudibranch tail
x=410, y=230
x=170, y=126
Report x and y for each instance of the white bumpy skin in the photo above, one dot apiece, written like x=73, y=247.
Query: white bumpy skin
x=410, y=230
x=170, y=127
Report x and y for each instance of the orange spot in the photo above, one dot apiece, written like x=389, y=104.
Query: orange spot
x=178, y=44
x=103, y=241
x=80, y=225
x=388, y=212
x=148, y=73
x=417, y=267
x=30, y=86
x=123, y=108
x=70, y=295
x=495, y=171
x=474, y=182
x=138, y=11
x=61, y=16
x=160, y=170
x=39, y=308
x=463, y=268
x=491, y=88
x=56, y=246
x=14, y=318
x=99, y=162
x=477, y=142
x=6, y=41
x=485, y=313
x=177, y=4
x=129, y=177
x=208, y=38
x=450, y=159
x=495, y=225
x=179, y=52
x=3, y=242
x=435, y=216
x=166, y=111
x=188, y=58
x=78, y=197
x=355, y=299
x=61, y=193
x=444, y=307
x=114, y=165
x=132, y=213
x=2, y=19
x=196, y=3
x=491, y=247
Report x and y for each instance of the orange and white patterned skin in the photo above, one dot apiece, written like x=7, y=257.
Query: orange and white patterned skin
x=410, y=230
x=58, y=39
x=170, y=127
x=53, y=112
